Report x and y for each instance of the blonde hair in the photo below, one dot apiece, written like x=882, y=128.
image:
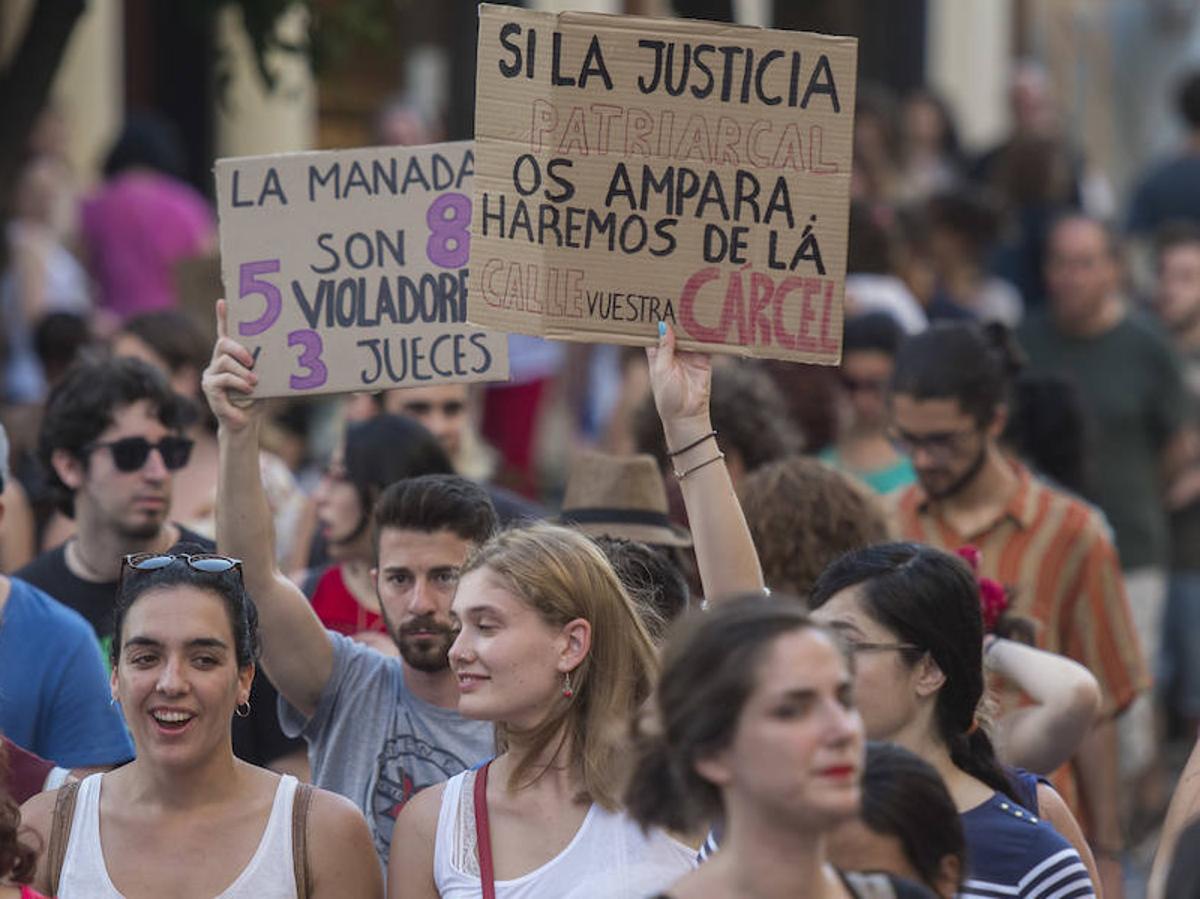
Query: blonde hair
x=562, y=575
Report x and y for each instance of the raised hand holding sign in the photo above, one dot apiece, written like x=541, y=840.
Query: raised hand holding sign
x=350, y=269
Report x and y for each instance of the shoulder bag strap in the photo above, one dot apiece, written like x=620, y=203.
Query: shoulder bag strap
x=483, y=836
x=300, y=806
x=60, y=832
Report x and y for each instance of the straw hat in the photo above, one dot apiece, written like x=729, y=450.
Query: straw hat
x=620, y=496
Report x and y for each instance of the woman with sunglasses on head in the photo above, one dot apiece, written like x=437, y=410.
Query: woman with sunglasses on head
x=186, y=818
x=552, y=650
x=911, y=616
x=753, y=722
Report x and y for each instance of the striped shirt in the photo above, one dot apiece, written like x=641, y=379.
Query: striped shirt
x=1012, y=854
x=1054, y=552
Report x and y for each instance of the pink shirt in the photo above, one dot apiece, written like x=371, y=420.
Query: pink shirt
x=137, y=226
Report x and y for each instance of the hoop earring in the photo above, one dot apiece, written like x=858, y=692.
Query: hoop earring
x=239, y=712
x=567, y=691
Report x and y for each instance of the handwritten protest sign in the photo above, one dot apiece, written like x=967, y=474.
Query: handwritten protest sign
x=633, y=169
x=348, y=270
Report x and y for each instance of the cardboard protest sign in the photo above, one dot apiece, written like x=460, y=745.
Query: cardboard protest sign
x=633, y=169
x=348, y=270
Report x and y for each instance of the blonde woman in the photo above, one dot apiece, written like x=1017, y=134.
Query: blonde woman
x=552, y=651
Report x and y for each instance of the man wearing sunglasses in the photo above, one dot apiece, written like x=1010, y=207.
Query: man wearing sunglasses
x=112, y=438
x=949, y=400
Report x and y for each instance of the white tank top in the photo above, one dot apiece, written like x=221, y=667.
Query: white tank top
x=609, y=857
x=268, y=875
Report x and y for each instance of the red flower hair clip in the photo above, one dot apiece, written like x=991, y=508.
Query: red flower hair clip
x=993, y=598
x=971, y=555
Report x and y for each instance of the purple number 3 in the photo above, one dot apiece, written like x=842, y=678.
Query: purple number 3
x=310, y=360
x=449, y=243
x=249, y=285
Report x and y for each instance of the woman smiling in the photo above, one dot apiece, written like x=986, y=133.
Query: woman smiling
x=552, y=650
x=186, y=818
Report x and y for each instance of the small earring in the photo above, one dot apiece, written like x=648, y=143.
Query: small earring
x=242, y=710
x=567, y=691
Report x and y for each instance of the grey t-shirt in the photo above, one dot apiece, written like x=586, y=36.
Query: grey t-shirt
x=375, y=743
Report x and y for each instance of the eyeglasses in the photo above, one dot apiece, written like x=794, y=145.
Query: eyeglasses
x=856, y=647
x=130, y=453
x=939, y=445
x=206, y=562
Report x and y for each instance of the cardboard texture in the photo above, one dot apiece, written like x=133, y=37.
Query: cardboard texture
x=348, y=270
x=633, y=169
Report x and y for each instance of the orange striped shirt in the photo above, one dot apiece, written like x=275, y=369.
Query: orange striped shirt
x=1055, y=553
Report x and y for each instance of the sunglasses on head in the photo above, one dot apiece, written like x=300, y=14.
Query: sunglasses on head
x=209, y=563
x=131, y=453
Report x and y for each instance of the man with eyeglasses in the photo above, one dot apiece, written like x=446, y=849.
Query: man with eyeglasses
x=948, y=409
x=112, y=437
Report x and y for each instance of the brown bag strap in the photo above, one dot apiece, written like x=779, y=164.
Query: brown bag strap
x=60, y=832
x=300, y=804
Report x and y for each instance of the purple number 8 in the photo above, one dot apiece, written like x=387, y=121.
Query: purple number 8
x=449, y=244
x=249, y=284
x=310, y=360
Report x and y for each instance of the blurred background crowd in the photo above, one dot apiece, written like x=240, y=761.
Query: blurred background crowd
x=978, y=126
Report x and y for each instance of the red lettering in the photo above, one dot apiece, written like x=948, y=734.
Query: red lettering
x=761, y=289
x=735, y=305
x=805, y=339
x=786, y=340
x=687, y=307
x=828, y=343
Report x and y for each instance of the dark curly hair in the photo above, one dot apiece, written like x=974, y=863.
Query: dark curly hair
x=803, y=515
x=84, y=402
x=748, y=413
x=17, y=860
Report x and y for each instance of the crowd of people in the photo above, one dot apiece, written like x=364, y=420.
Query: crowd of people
x=920, y=625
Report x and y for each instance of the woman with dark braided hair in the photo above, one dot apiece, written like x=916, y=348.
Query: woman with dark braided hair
x=911, y=616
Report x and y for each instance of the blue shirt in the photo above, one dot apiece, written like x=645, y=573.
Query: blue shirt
x=1013, y=853
x=54, y=695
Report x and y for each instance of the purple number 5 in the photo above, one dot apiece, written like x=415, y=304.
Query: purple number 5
x=449, y=242
x=249, y=285
x=310, y=360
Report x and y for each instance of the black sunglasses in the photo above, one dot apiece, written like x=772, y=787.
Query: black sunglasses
x=209, y=563
x=131, y=453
